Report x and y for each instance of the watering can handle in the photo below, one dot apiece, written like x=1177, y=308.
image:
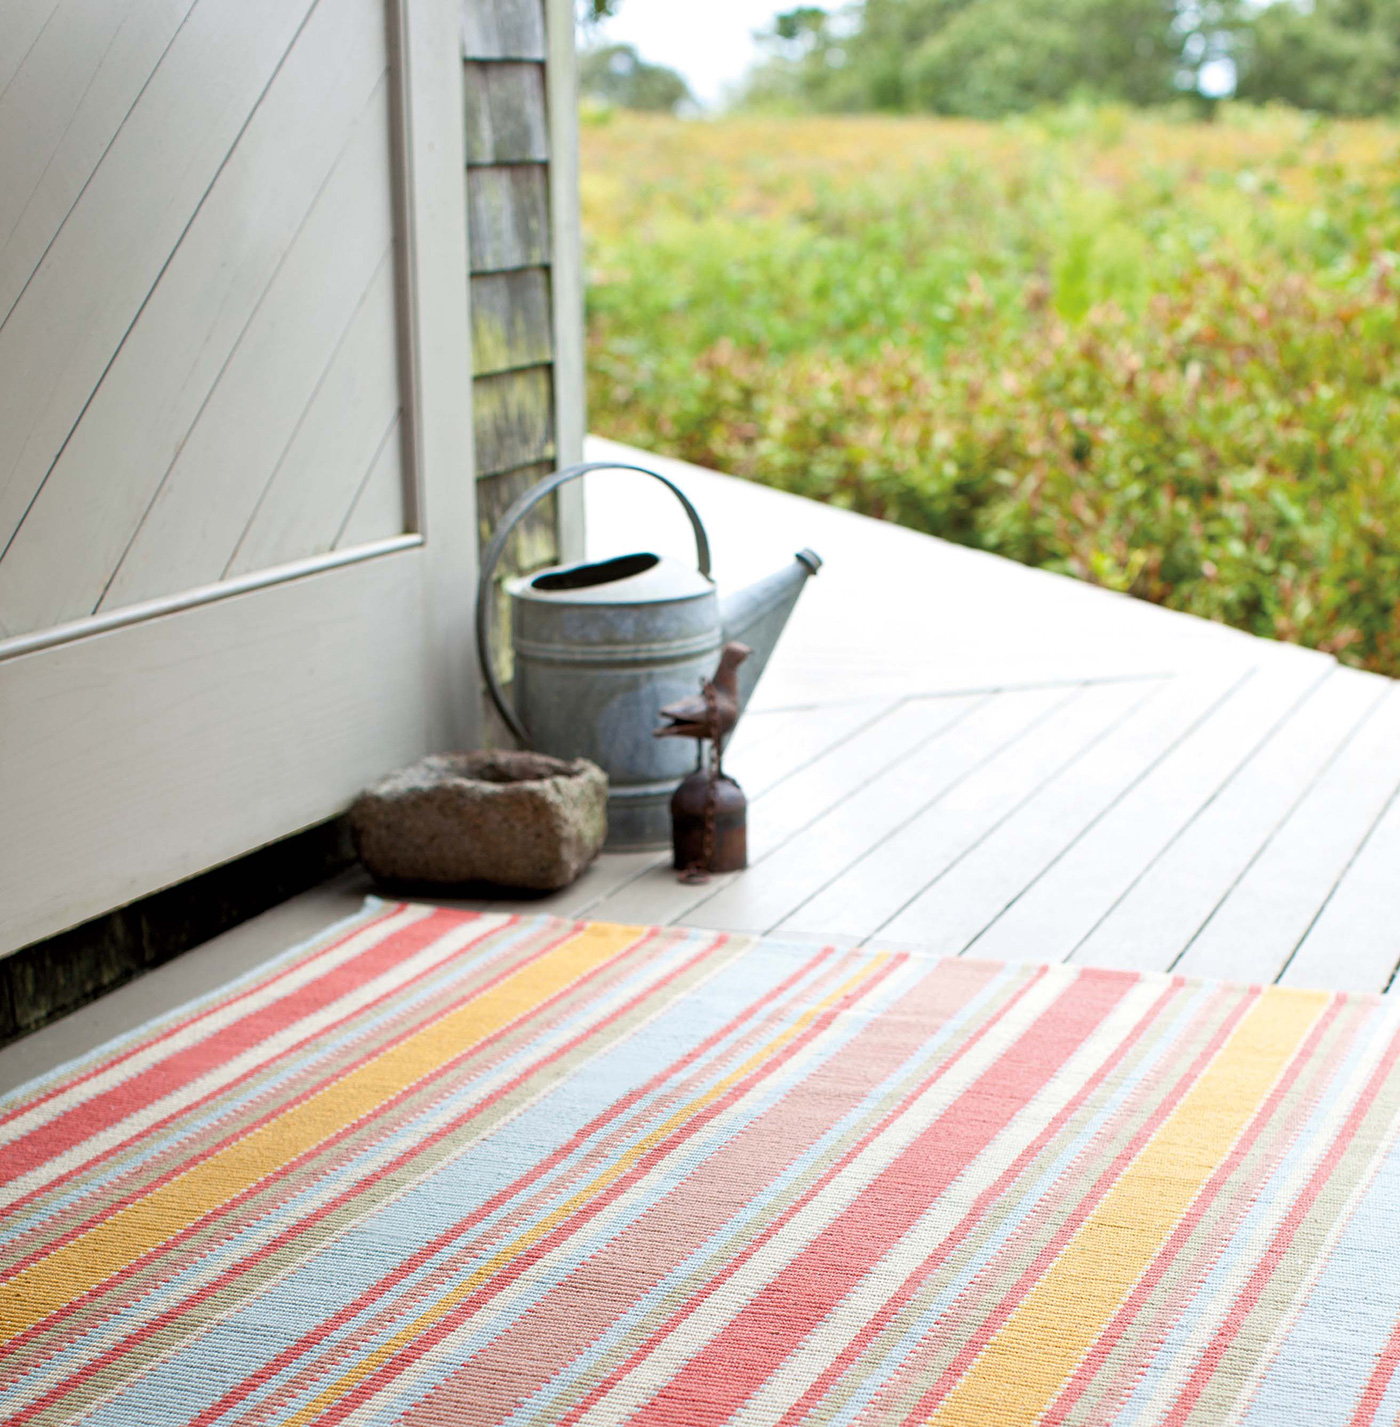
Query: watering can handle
x=522, y=507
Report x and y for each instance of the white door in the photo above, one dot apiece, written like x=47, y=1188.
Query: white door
x=237, y=532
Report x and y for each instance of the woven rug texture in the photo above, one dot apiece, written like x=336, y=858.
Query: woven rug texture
x=437, y=1167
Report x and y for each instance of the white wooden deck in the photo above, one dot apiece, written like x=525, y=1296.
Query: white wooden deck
x=953, y=752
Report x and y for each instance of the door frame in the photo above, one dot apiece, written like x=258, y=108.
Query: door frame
x=426, y=51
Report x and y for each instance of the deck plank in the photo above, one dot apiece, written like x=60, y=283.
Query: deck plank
x=1062, y=906
x=873, y=752
x=609, y=872
x=1271, y=908
x=1355, y=942
x=756, y=729
x=894, y=873
x=975, y=892
x=767, y=749
x=781, y=812
x=761, y=765
x=781, y=882
x=1157, y=917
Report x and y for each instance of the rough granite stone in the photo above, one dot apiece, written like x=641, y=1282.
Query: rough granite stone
x=515, y=819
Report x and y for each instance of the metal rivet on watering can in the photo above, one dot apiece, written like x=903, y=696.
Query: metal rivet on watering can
x=601, y=647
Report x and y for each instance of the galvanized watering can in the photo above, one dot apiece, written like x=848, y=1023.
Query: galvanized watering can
x=600, y=647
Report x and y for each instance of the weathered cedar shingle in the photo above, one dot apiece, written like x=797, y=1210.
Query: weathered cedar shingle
x=514, y=419
x=506, y=118
x=511, y=320
x=503, y=29
x=508, y=217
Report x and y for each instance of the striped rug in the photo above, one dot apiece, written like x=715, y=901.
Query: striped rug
x=442, y=1168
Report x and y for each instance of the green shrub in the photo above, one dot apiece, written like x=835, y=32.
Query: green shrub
x=1164, y=361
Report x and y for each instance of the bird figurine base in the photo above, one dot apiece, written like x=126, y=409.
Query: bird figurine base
x=709, y=839
x=709, y=813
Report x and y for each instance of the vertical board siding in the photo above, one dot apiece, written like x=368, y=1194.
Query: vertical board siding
x=519, y=125
x=503, y=29
x=566, y=275
x=508, y=217
x=511, y=320
x=514, y=419
x=506, y=118
x=496, y=494
x=101, y=267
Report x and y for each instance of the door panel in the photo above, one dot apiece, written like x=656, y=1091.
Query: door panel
x=265, y=390
x=188, y=415
x=83, y=72
x=108, y=255
x=244, y=359
x=134, y=758
x=338, y=441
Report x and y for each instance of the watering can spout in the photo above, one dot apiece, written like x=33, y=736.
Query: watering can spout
x=755, y=616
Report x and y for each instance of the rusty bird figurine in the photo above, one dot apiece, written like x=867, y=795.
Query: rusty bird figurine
x=713, y=712
x=709, y=811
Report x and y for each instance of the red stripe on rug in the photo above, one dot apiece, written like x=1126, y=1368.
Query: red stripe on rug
x=237, y=1394
x=1373, y=1394
x=229, y=1085
x=581, y=1307
x=474, y=1302
x=973, y=1348
x=1278, y=1247
x=717, y=1282
x=447, y=1237
x=291, y=1167
x=109, y=1108
x=29, y=1106
x=746, y=1353
x=1098, y=1355
x=887, y=1311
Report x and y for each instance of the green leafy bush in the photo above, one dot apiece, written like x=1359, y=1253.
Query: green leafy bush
x=1155, y=354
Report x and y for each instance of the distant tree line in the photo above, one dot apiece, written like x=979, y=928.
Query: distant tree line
x=1336, y=56
x=617, y=74
x=986, y=58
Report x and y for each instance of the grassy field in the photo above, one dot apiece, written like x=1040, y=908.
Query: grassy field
x=1154, y=353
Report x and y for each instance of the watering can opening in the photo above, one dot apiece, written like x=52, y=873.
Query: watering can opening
x=632, y=580
x=602, y=572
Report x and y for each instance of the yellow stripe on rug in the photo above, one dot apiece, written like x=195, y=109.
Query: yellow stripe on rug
x=1024, y=1367
x=78, y=1266
x=351, y=1379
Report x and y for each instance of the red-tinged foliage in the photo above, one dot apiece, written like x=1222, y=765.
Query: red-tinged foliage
x=1220, y=436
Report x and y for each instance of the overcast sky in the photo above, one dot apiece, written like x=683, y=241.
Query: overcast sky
x=710, y=42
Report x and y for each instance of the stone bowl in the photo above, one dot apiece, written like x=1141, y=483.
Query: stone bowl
x=508, y=818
